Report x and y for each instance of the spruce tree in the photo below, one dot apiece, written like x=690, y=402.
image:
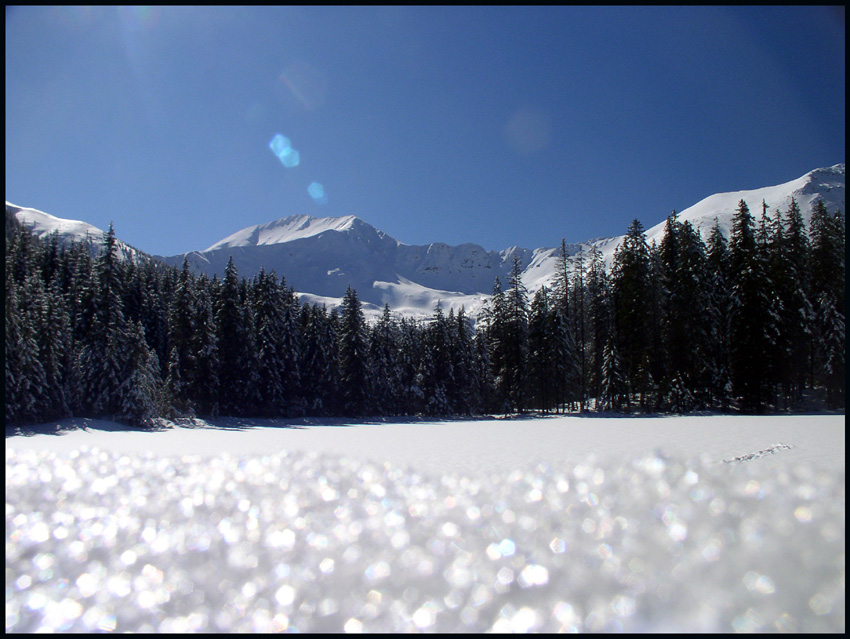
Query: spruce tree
x=319, y=362
x=717, y=318
x=828, y=272
x=24, y=373
x=685, y=323
x=410, y=355
x=291, y=345
x=632, y=297
x=139, y=388
x=542, y=354
x=496, y=327
x=516, y=305
x=182, y=374
x=205, y=344
x=103, y=358
x=569, y=320
x=770, y=245
x=614, y=386
x=748, y=315
x=798, y=311
x=436, y=374
x=598, y=320
x=56, y=352
x=465, y=393
x=238, y=388
x=384, y=364
x=657, y=375
x=270, y=330
x=353, y=362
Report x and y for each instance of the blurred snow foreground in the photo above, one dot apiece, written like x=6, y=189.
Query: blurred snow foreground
x=100, y=540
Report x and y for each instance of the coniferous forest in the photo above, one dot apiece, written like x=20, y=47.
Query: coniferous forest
x=754, y=323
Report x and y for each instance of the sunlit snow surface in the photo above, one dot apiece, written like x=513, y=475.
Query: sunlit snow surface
x=301, y=541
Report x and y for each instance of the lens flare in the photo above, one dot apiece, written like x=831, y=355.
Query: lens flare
x=307, y=84
x=282, y=148
x=317, y=192
x=290, y=158
x=279, y=144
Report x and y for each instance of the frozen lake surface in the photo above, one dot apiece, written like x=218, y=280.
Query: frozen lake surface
x=712, y=523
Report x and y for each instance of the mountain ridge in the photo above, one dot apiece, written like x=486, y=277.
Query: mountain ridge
x=322, y=257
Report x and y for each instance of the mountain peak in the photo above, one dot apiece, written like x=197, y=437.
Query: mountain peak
x=287, y=229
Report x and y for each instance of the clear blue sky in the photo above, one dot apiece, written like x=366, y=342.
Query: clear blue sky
x=499, y=126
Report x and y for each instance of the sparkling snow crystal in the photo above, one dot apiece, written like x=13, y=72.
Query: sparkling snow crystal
x=108, y=541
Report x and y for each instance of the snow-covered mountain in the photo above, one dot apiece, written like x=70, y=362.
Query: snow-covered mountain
x=825, y=184
x=322, y=257
x=43, y=225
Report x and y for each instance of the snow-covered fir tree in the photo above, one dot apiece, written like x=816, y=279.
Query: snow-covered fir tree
x=828, y=269
x=385, y=364
x=237, y=357
x=353, y=361
x=749, y=315
x=632, y=295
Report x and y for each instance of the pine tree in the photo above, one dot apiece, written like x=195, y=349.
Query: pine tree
x=410, y=355
x=685, y=322
x=56, y=352
x=770, y=247
x=238, y=387
x=486, y=384
x=632, y=298
x=436, y=374
x=613, y=381
x=828, y=271
x=749, y=314
x=139, y=388
x=799, y=314
x=384, y=364
x=103, y=359
x=157, y=285
x=494, y=317
x=598, y=320
x=25, y=377
x=542, y=363
x=182, y=370
x=205, y=392
x=353, y=363
x=291, y=344
x=717, y=318
x=32, y=311
x=319, y=362
x=674, y=333
x=656, y=360
x=465, y=393
x=568, y=323
x=269, y=321
x=516, y=304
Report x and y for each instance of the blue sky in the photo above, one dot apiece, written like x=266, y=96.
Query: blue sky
x=498, y=126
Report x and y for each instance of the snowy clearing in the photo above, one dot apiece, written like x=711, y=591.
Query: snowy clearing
x=711, y=523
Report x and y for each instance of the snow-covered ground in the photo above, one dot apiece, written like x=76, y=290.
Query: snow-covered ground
x=710, y=523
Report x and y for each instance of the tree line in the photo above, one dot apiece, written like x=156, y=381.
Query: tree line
x=752, y=323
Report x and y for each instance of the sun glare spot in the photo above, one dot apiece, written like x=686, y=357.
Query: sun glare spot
x=317, y=192
x=282, y=148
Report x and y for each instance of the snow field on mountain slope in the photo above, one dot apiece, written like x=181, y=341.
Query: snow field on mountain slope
x=160, y=532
